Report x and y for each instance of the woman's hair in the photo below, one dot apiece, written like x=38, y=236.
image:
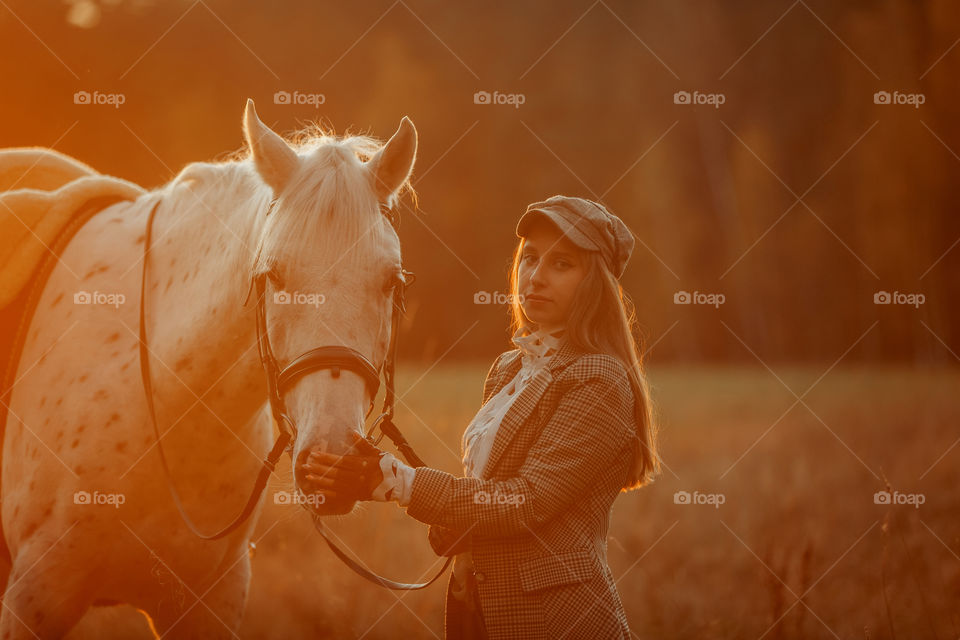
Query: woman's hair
x=602, y=320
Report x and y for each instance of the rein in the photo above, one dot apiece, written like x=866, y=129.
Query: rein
x=335, y=358
x=268, y=464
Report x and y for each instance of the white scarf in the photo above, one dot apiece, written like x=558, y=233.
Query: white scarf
x=536, y=350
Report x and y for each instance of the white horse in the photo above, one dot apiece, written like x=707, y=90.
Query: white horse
x=78, y=417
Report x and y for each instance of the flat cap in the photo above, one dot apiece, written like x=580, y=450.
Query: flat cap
x=588, y=225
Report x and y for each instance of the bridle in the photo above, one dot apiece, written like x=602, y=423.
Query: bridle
x=335, y=358
x=279, y=381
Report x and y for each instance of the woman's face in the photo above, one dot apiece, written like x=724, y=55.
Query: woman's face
x=550, y=269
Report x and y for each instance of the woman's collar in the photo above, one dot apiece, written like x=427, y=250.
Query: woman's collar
x=539, y=342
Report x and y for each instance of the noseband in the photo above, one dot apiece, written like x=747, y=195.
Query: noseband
x=279, y=381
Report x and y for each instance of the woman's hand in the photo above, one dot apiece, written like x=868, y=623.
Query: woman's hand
x=350, y=476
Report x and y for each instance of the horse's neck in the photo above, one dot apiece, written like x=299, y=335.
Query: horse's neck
x=199, y=329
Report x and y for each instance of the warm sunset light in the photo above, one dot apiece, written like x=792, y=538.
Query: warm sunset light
x=588, y=319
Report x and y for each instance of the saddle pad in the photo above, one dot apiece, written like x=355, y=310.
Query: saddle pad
x=30, y=218
x=15, y=318
x=38, y=168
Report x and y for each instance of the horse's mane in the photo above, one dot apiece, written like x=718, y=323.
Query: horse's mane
x=328, y=207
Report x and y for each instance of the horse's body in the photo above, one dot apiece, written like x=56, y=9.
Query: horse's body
x=78, y=422
x=78, y=418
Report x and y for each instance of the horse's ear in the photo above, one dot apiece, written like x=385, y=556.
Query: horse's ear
x=392, y=165
x=274, y=159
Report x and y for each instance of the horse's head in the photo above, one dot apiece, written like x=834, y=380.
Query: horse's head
x=328, y=266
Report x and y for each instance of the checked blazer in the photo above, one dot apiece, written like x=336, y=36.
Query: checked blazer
x=536, y=522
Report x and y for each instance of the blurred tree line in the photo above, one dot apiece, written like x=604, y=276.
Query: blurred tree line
x=797, y=199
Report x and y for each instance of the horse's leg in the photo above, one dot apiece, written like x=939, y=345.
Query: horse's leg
x=214, y=611
x=42, y=599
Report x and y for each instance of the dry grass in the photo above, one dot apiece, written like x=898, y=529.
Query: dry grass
x=799, y=518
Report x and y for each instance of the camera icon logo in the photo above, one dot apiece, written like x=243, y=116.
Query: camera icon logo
x=882, y=297
x=281, y=297
x=682, y=297
x=82, y=297
x=481, y=297
x=681, y=97
x=482, y=97
x=81, y=97
x=881, y=97
x=81, y=497
x=281, y=97
x=681, y=497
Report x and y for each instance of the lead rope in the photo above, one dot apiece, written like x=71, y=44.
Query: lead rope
x=365, y=573
x=388, y=428
x=268, y=464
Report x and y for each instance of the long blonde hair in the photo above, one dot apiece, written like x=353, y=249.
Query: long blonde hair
x=602, y=319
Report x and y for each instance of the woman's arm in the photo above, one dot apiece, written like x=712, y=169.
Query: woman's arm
x=592, y=424
x=443, y=540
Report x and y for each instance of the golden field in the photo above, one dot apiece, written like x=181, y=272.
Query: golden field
x=797, y=549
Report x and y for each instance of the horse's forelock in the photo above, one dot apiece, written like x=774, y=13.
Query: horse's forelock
x=329, y=206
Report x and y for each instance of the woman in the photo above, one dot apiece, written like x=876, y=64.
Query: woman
x=565, y=426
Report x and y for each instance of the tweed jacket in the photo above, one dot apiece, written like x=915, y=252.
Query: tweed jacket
x=536, y=522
